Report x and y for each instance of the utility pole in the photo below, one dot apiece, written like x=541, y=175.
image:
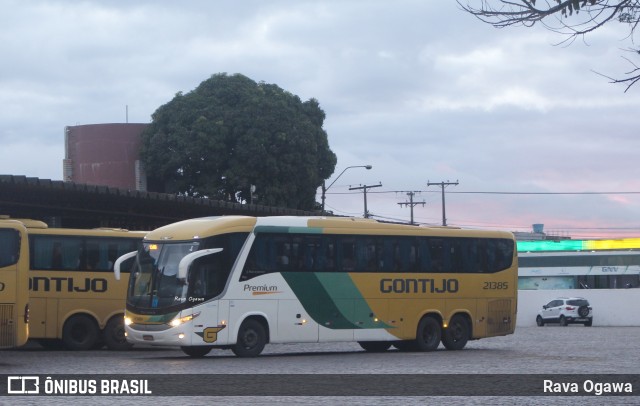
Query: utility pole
x=442, y=185
x=364, y=189
x=325, y=188
x=411, y=204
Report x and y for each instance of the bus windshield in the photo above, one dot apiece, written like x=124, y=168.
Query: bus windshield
x=9, y=247
x=155, y=282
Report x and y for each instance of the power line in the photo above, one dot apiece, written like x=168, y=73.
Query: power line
x=550, y=193
x=497, y=193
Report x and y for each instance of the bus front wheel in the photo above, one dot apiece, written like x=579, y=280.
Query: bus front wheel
x=114, y=336
x=252, y=338
x=428, y=334
x=456, y=335
x=80, y=333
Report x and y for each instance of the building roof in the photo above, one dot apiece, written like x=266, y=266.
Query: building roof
x=69, y=204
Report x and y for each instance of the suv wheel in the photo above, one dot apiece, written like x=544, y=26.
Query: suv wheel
x=539, y=321
x=563, y=321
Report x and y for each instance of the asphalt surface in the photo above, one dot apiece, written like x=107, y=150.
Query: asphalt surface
x=547, y=350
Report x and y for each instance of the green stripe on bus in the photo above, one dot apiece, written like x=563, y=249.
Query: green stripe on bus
x=316, y=300
x=332, y=300
x=349, y=300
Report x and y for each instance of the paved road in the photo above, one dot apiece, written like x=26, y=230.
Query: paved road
x=549, y=349
x=531, y=350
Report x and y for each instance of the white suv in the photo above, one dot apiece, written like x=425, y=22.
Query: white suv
x=565, y=310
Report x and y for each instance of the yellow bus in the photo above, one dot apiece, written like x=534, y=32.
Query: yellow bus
x=72, y=294
x=241, y=282
x=14, y=283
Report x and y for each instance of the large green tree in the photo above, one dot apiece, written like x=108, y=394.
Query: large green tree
x=230, y=133
x=570, y=18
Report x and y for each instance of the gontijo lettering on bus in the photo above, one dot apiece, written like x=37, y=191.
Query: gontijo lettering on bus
x=64, y=284
x=425, y=285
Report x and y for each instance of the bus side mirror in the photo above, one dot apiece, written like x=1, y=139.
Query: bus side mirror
x=119, y=261
x=185, y=263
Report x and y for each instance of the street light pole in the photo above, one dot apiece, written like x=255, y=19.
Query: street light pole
x=325, y=188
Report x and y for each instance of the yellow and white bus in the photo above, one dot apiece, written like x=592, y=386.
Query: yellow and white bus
x=72, y=294
x=241, y=282
x=14, y=283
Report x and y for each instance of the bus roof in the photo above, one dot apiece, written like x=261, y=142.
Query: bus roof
x=202, y=227
x=28, y=223
x=95, y=232
x=208, y=226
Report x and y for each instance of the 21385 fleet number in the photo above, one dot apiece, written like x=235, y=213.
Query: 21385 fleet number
x=496, y=285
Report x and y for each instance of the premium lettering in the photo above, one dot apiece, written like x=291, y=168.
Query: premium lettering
x=260, y=288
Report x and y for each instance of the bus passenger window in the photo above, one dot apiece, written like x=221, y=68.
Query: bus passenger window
x=56, y=256
x=92, y=257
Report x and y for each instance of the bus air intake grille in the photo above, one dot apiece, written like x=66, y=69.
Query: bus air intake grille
x=7, y=327
x=499, y=321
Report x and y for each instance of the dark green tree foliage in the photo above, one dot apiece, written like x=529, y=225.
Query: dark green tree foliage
x=230, y=133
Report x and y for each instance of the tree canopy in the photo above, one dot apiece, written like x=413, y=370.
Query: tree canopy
x=230, y=133
x=571, y=18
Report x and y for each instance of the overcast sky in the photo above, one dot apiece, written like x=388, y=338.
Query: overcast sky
x=419, y=89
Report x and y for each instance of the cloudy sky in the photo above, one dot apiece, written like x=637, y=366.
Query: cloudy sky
x=419, y=89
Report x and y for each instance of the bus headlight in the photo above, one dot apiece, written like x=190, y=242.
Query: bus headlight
x=127, y=321
x=178, y=321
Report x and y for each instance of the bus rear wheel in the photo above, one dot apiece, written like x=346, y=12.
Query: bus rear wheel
x=114, y=336
x=375, y=346
x=197, y=351
x=252, y=338
x=428, y=334
x=80, y=333
x=456, y=335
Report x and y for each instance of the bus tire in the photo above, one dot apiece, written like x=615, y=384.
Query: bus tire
x=252, y=338
x=375, y=346
x=114, y=336
x=428, y=334
x=80, y=333
x=197, y=351
x=456, y=335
